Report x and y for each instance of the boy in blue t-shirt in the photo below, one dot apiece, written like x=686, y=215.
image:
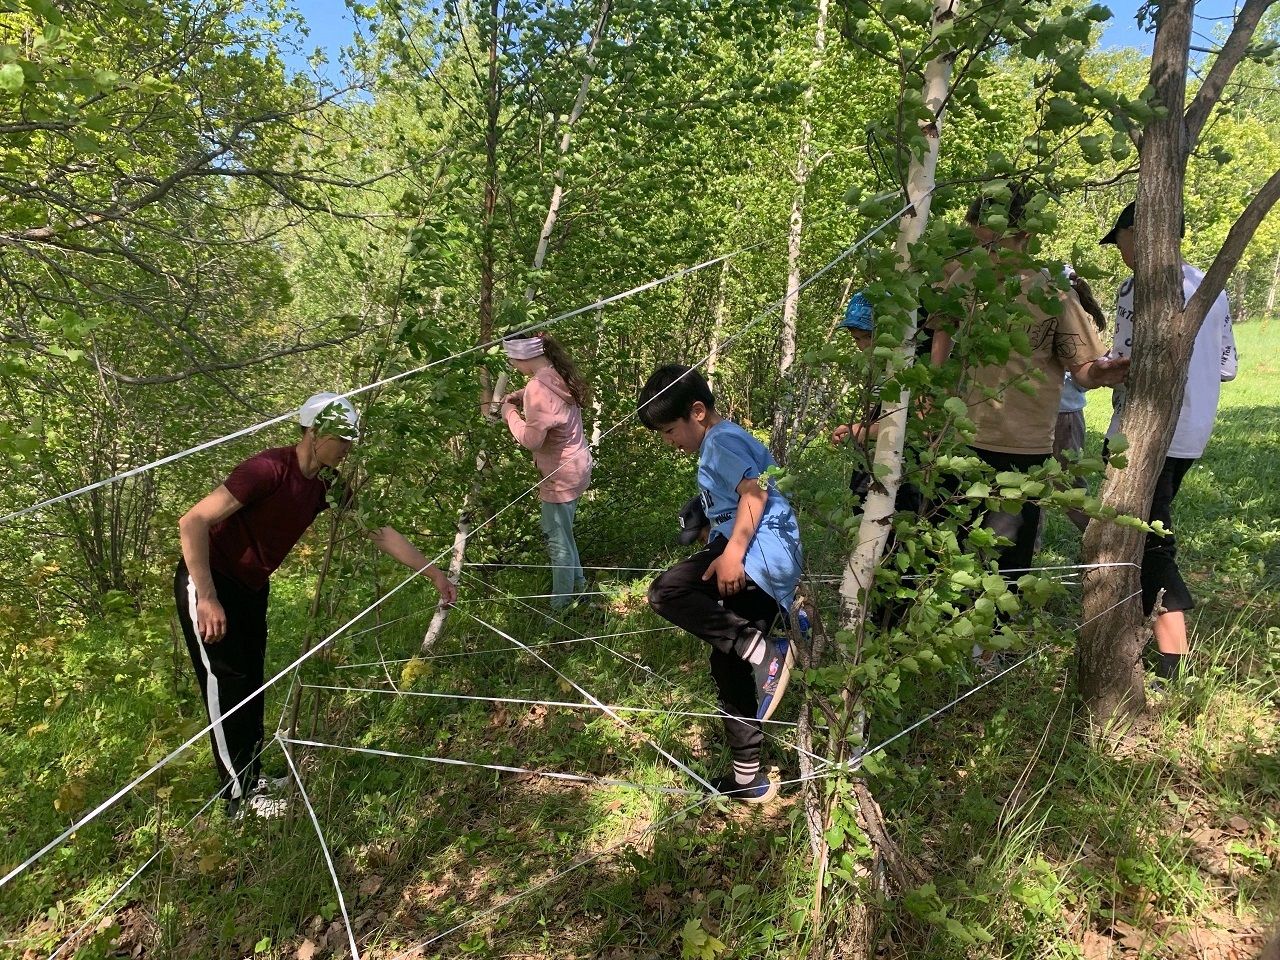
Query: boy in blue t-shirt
x=733, y=592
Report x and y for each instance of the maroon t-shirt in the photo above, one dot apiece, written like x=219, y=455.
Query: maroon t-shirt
x=279, y=504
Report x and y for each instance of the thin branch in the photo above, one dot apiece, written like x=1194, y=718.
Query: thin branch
x=1242, y=231
x=227, y=365
x=1233, y=51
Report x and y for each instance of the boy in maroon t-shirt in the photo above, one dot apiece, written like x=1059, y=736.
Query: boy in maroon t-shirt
x=232, y=541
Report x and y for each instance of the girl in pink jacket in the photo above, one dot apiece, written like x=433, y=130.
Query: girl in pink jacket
x=551, y=426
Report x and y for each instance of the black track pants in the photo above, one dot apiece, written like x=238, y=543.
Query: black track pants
x=229, y=671
x=680, y=596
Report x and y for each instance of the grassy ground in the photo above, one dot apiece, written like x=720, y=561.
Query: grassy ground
x=1035, y=845
x=1170, y=847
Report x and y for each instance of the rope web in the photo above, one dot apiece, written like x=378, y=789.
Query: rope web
x=618, y=713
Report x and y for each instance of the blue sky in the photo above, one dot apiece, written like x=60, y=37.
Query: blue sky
x=331, y=25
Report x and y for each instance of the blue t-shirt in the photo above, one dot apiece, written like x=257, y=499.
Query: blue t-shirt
x=1073, y=398
x=729, y=455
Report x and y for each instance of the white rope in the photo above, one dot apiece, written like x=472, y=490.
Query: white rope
x=416, y=949
x=853, y=765
x=536, y=596
x=836, y=577
x=199, y=735
x=306, y=655
x=501, y=768
x=1073, y=566
x=603, y=706
x=476, y=653
x=561, y=566
x=150, y=860
x=536, y=703
x=721, y=713
x=257, y=427
x=379, y=626
x=990, y=680
x=333, y=873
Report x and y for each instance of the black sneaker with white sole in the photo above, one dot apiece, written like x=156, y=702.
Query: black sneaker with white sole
x=772, y=674
x=760, y=790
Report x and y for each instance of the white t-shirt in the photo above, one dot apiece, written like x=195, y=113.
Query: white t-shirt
x=1213, y=360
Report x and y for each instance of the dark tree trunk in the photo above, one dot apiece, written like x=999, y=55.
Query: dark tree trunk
x=1164, y=333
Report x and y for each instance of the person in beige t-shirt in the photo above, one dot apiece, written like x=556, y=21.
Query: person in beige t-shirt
x=1015, y=426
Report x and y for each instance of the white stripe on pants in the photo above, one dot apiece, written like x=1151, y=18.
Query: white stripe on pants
x=213, y=703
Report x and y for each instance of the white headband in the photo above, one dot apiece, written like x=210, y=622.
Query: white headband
x=523, y=349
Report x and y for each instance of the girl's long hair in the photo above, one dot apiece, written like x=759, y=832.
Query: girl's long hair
x=554, y=351
x=1089, y=301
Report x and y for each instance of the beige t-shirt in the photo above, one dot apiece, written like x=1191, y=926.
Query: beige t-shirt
x=1011, y=421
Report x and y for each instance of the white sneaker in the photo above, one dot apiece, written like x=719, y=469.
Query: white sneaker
x=271, y=785
x=262, y=806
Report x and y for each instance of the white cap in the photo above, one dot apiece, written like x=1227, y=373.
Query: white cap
x=338, y=414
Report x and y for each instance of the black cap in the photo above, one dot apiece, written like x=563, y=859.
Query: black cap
x=693, y=521
x=1125, y=221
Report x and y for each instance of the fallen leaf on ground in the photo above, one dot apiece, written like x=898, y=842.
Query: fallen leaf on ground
x=1096, y=947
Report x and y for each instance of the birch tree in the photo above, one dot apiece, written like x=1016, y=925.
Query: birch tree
x=795, y=231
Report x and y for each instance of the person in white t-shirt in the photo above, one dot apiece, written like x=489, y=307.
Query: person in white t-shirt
x=1213, y=361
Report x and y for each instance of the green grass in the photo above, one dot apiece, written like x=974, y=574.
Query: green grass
x=1059, y=850
x=420, y=847
x=1025, y=839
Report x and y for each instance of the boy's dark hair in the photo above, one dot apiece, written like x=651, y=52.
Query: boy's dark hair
x=1019, y=197
x=670, y=393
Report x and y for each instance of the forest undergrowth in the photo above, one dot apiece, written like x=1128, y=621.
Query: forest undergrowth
x=1025, y=841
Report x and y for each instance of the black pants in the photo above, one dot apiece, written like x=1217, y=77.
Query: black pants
x=680, y=596
x=1020, y=527
x=1160, y=554
x=229, y=671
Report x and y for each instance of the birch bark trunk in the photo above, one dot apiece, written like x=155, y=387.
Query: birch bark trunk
x=1275, y=283
x=795, y=231
x=717, y=325
x=878, y=509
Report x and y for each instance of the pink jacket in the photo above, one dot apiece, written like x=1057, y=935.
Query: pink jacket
x=552, y=428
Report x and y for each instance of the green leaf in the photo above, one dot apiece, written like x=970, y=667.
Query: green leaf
x=11, y=78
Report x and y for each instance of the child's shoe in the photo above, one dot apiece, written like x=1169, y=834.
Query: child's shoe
x=270, y=785
x=759, y=790
x=772, y=674
x=263, y=806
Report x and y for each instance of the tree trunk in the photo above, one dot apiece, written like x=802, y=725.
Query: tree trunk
x=557, y=191
x=597, y=404
x=491, y=398
x=579, y=104
x=1164, y=333
x=493, y=106
x=1112, y=637
x=878, y=510
x=795, y=230
x=456, y=557
x=717, y=325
